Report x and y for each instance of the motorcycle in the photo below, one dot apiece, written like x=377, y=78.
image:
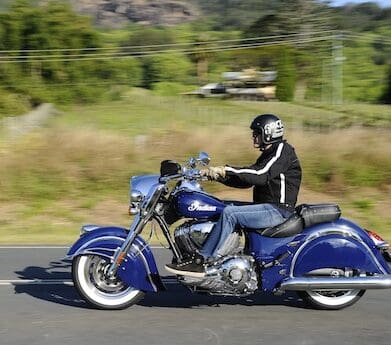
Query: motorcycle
x=328, y=260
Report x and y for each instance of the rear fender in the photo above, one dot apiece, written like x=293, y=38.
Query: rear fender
x=139, y=267
x=343, y=245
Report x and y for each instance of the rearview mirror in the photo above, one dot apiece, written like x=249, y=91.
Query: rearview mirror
x=203, y=158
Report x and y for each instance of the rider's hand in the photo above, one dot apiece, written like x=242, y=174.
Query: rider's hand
x=213, y=173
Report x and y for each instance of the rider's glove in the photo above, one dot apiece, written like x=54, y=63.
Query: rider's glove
x=213, y=173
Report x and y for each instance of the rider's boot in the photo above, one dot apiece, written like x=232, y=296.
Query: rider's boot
x=193, y=267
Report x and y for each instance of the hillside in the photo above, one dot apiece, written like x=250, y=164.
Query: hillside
x=117, y=13
x=228, y=14
x=234, y=14
x=77, y=73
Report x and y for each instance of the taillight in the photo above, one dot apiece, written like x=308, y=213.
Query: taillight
x=377, y=240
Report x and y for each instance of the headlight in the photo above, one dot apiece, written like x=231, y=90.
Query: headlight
x=136, y=197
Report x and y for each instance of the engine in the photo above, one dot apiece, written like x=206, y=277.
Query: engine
x=190, y=236
x=232, y=275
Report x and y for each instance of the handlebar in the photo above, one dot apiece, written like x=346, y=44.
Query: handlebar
x=193, y=175
x=189, y=171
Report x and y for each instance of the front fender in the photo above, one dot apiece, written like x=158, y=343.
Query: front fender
x=139, y=267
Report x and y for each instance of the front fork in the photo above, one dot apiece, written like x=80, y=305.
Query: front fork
x=135, y=229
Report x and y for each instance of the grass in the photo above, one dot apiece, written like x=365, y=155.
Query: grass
x=369, y=115
x=76, y=169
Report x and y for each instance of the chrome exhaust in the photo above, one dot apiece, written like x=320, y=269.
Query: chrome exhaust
x=337, y=283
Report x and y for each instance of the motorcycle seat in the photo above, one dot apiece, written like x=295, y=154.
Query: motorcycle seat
x=292, y=226
x=304, y=216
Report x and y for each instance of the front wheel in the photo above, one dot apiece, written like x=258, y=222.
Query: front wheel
x=331, y=300
x=91, y=281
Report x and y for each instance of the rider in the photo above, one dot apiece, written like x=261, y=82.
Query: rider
x=275, y=176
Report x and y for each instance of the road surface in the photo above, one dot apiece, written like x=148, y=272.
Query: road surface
x=40, y=306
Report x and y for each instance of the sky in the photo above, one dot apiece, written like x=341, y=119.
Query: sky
x=383, y=3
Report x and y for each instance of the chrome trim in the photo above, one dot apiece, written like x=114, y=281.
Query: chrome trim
x=326, y=232
x=340, y=283
x=78, y=252
x=383, y=245
x=134, y=208
x=93, y=253
x=88, y=228
x=136, y=196
x=151, y=200
x=100, y=248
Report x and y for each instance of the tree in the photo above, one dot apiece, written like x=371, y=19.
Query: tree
x=233, y=14
x=386, y=97
x=290, y=16
x=145, y=36
x=173, y=67
x=51, y=28
x=202, y=56
x=286, y=76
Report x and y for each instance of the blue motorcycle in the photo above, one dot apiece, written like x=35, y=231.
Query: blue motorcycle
x=328, y=260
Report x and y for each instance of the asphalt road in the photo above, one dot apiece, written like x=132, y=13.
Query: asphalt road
x=49, y=311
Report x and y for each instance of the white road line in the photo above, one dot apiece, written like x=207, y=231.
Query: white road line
x=54, y=247
x=8, y=282
x=35, y=282
x=33, y=247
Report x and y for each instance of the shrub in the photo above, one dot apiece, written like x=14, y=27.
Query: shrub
x=167, y=67
x=11, y=104
x=167, y=88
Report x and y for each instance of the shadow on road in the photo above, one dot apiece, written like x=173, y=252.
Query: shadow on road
x=178, y=296
x=54, y=290
x=55, y=286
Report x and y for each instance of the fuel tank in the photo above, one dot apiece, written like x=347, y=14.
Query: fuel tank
x=199, y=205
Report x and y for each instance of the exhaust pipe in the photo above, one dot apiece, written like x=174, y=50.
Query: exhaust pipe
x=342, y=283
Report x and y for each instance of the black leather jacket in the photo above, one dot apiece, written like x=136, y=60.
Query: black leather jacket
x=275, y=176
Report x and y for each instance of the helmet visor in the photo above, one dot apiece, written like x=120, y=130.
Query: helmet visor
x=257, y=139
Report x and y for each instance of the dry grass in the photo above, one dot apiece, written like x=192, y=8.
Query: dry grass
x=77, y=169
x=55, y=180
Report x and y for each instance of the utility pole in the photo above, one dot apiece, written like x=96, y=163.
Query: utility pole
x=337, y=65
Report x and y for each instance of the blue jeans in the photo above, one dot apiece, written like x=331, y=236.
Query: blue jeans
x=255, y=216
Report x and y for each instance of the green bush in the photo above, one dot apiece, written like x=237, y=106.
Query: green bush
x=173, y=67
x=167, y=88
x=12, y=104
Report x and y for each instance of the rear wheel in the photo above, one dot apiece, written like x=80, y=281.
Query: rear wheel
x=331, y=299
x=99, y=290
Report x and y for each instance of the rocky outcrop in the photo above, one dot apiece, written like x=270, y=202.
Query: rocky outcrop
x=117, y=13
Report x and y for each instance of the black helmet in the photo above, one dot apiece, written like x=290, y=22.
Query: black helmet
x=270, y=128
